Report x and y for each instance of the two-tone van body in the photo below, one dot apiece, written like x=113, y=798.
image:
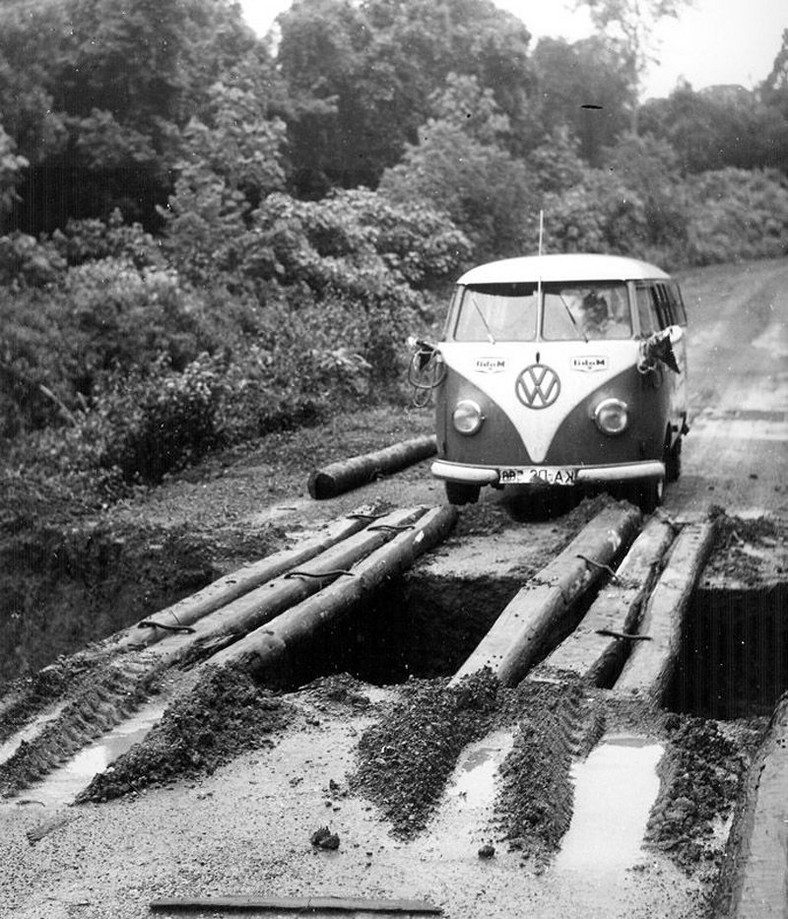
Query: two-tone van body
x=562, y=371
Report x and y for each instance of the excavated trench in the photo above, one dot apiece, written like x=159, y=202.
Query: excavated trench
x=733, y=661
x=546, y=763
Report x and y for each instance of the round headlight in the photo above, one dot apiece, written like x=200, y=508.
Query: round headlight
x=467, y=417
x=612, y=416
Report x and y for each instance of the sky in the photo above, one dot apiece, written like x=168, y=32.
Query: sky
x=717, y=41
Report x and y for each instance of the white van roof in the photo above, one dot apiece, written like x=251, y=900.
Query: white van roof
x=572, y=267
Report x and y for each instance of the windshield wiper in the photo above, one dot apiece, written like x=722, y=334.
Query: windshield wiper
x=572, y=318
x=481, y=316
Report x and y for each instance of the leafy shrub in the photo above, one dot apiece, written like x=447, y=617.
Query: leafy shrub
x=737, y=214
x=93, y=239
x=355, y=241
x=159, y=422
x=26, y=262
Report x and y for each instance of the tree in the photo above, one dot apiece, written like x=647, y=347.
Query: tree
x=229, y=164
x=774, y=89
x=584, y=87
x=361, y=77
x=462, y=166
x=11, y=166
x=96, y=94
x=718, y=127
x=633, y=23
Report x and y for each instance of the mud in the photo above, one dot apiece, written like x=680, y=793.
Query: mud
x=94, y=702
x=555, y=725
x=748, y=551
x=702, y=775
x=62, y=588
x=406, y=758
x=225, y=715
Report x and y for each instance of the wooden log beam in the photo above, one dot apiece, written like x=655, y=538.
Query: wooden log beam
x=269, y=651
x=650, y=666
x=228, y=588
x=540, y=614
x=593, y=651
x=754, y=878
x=297, y=904
x=336, y=478
x=234, y=620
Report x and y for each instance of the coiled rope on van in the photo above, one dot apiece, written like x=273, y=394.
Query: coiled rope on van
x=426, y=371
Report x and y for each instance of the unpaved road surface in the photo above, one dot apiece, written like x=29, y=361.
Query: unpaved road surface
x=243, y=822
x=735, y=455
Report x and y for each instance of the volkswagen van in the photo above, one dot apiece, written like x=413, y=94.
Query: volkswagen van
x=561, y=371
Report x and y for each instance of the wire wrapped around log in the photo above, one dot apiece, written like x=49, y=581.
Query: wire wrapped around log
x=337, y=478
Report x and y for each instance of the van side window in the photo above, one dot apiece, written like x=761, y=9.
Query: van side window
x=676, y=304
x=647, y=311
x=664, y=306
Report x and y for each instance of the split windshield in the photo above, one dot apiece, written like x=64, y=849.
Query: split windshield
x=590, y=311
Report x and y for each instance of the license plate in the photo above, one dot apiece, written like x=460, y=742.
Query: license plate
x=539, y=475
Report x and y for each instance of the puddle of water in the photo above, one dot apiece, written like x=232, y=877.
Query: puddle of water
x=464, y=818
x=62, y=785
x=476, y=772
x=615, y=788
x=27, y=733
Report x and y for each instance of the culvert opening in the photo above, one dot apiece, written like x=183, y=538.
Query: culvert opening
x=415, y=626
x=734, y=653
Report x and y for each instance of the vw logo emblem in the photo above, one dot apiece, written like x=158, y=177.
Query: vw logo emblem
x=538, y=386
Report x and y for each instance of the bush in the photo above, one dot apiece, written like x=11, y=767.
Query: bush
x=737, y=214
x=159, y=422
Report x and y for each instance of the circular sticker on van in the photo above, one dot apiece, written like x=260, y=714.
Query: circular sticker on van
x=538, y=386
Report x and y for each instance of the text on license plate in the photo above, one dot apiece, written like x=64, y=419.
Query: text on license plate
x=536, y=475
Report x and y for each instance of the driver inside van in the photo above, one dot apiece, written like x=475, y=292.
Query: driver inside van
x=603, y=318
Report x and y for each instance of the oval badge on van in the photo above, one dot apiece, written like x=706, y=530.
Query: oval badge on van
x=538, y=386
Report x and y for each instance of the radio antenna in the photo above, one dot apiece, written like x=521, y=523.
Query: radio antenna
x=539, y=275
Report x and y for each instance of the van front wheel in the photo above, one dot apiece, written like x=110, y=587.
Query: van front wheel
x=647, y=494
x=673, y=461
x=461, y=493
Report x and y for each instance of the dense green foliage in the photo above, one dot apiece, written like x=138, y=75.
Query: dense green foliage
x=205, y=236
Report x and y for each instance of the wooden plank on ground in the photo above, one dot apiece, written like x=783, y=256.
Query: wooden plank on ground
x=592, y=651
x=650, y=666
x=540, y=614
x=298, y=904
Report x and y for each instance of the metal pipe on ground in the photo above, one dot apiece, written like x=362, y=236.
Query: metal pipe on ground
x=269, y=651
x=337, y=478
x=541, y=613
x=597, y=648
x=650, y=666
x=228, y=588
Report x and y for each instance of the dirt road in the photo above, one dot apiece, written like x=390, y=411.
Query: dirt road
x=245, y=825
x=735, y=455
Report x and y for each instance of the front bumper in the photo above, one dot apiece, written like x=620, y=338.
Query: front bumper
x=540, y=475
